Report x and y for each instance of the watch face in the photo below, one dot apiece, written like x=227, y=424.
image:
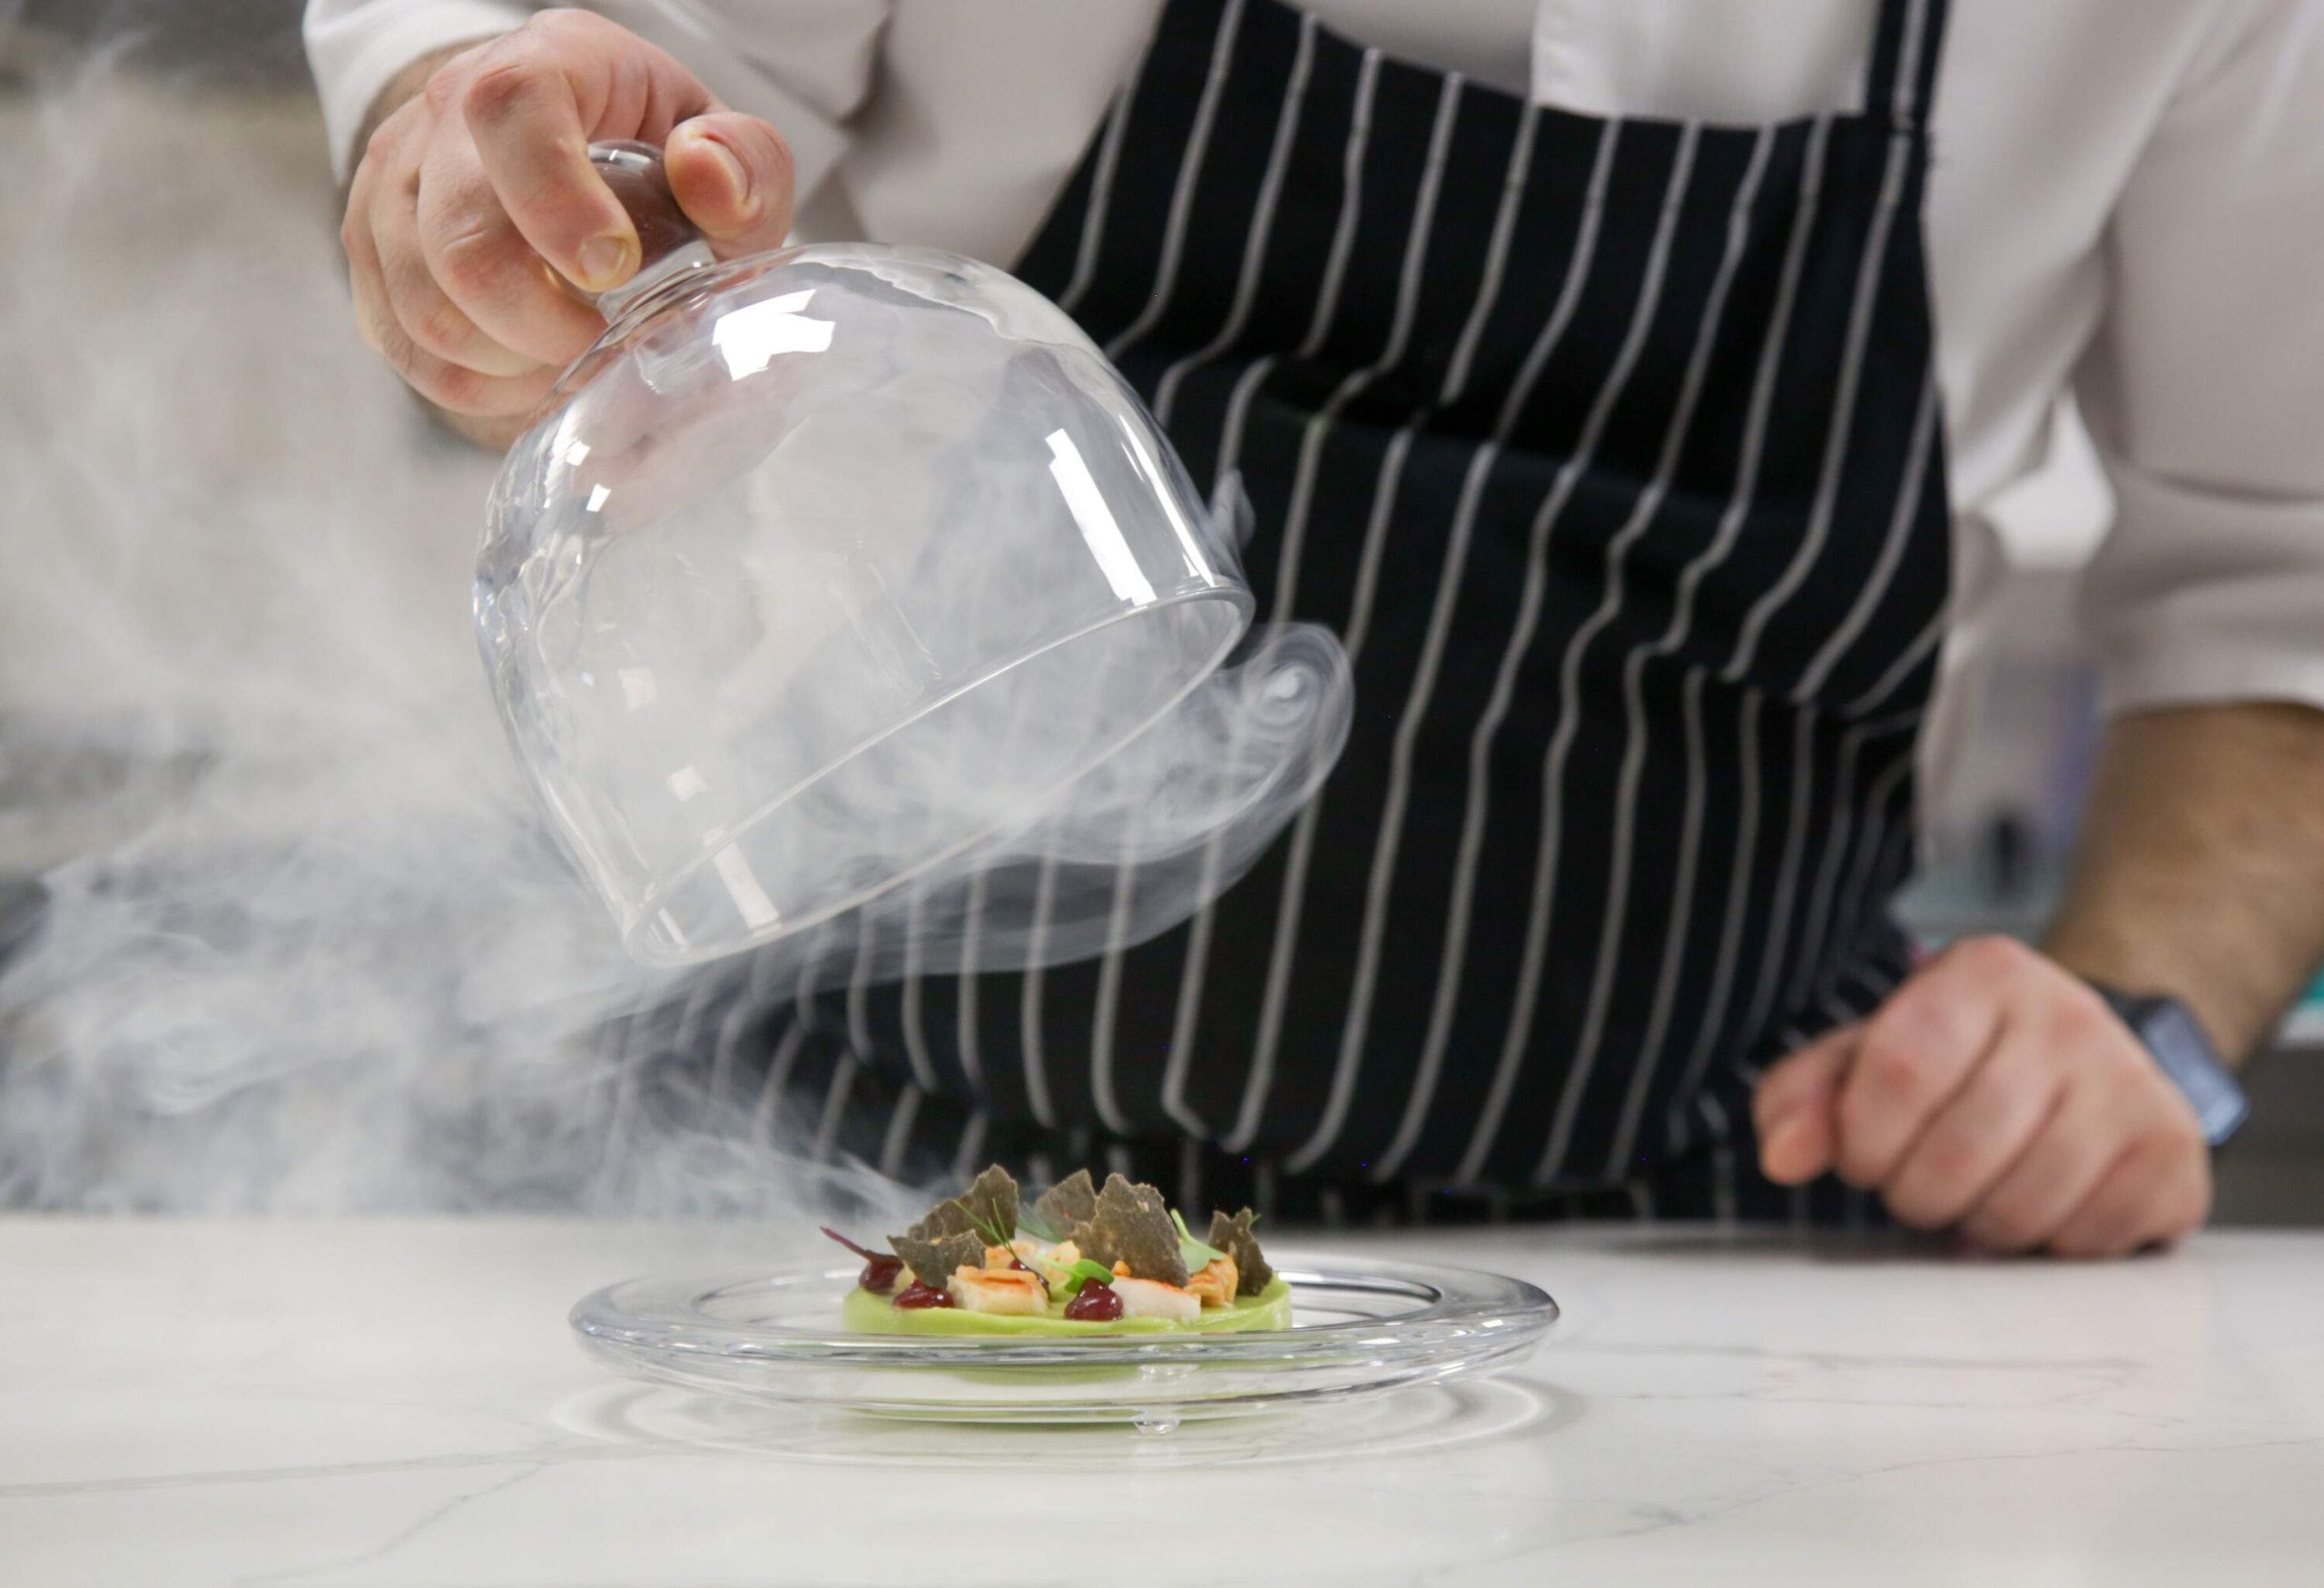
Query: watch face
x=2186, y=1056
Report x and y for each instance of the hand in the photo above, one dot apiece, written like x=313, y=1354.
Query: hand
x=1995, y=1092
x=478, y=185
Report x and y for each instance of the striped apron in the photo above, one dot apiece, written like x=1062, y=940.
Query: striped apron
x=1612, y=449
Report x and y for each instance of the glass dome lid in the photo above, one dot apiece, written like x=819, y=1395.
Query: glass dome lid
x=824, y=565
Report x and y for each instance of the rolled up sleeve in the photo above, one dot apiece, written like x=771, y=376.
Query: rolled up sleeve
x=2204, y=384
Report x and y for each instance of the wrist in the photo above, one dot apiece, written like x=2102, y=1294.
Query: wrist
x=2167, y=1030
x=2128, y=964
x=2200, y=869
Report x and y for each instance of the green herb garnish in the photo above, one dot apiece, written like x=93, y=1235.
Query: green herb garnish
x=994, y=1234
x=985, y=1226
x=1196, y=1255
x=1083, y=1272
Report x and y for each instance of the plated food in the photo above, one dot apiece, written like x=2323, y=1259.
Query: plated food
x=1081, y=1260
x=981, y=1346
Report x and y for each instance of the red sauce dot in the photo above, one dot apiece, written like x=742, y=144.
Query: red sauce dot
x=917, y=1295
x=1098, y=1303
x=879, y=1274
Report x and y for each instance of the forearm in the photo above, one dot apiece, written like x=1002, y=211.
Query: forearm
x=2200, y=871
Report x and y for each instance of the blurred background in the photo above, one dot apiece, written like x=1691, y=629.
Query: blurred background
x=235, y=625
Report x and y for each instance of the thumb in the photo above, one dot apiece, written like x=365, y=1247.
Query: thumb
x=1795, y=1109
x=732, y=175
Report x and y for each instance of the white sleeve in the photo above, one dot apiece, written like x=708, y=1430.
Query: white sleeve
x=356, y=47
x=805, y=66
x=2204, y=384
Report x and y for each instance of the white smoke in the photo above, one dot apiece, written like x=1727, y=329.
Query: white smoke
x=303, y=946
x=846, y=567
x=304, y=942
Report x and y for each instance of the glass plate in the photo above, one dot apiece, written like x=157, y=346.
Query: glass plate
x=1358, y=1327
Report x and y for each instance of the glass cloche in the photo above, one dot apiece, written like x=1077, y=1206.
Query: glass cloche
x=822, y=565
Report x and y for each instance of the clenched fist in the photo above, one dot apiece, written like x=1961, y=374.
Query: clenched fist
x=479, y=187
x=1995, y=1092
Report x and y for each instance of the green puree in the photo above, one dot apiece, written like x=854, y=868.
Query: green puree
x=868, y=1314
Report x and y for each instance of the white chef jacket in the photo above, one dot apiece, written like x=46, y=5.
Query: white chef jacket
x=2127, y=202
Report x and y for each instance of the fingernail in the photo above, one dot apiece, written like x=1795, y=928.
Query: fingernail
x=738, y=176
x=604, y=261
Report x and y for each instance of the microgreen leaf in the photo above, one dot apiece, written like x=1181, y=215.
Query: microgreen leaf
x=868, y=1256
x=1196, y=1255
x=1082, y=1273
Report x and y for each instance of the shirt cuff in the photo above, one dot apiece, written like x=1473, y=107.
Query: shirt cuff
x=2200, y=597
x=2204, y=674
x=355, y=56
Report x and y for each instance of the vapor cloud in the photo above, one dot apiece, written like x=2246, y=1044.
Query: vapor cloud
x=306, y=944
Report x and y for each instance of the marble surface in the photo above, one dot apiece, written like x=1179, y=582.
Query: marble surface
x=343, y=1402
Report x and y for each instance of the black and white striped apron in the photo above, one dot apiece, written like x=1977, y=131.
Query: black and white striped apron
x=1613, y=450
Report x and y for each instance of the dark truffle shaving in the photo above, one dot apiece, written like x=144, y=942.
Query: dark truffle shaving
x=932, y=1262
x=1072, y=1200
x=953, y=1234
x=1131, y=1224
x=1234, y=1237
x=1125, y=1222
x=945, y=1219
x=991, y=1202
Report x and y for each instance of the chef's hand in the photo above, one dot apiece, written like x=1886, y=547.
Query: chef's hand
x=1995, y=1092
x=478, y=185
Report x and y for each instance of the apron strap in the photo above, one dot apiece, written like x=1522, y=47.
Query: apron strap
x=1905, y=46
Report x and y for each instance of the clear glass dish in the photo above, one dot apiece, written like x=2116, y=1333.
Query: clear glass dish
x=1358, y=1328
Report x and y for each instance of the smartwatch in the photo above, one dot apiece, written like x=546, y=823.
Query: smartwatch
x=2186, y=1056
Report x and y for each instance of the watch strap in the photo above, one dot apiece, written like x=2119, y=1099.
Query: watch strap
x=2186, y=1056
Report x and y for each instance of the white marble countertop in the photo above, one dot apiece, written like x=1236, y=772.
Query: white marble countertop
x=335, y=1403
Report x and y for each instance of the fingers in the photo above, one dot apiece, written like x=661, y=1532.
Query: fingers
x=474, y=254
x=533, y=102
x=461, y=390
x=1792, y=1110
x=530, y=140
x=1996, y=1092
x=420, y=305
x=1976, y=1136
x=1919, y=1049
x=403, y=309
x=2117, y=1162
x=476, y=196
x=364, y=281
x=2157, y=1184
x=2156, y=1191
x=730, y=174
x=373, y=199
x=2055, y=1173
